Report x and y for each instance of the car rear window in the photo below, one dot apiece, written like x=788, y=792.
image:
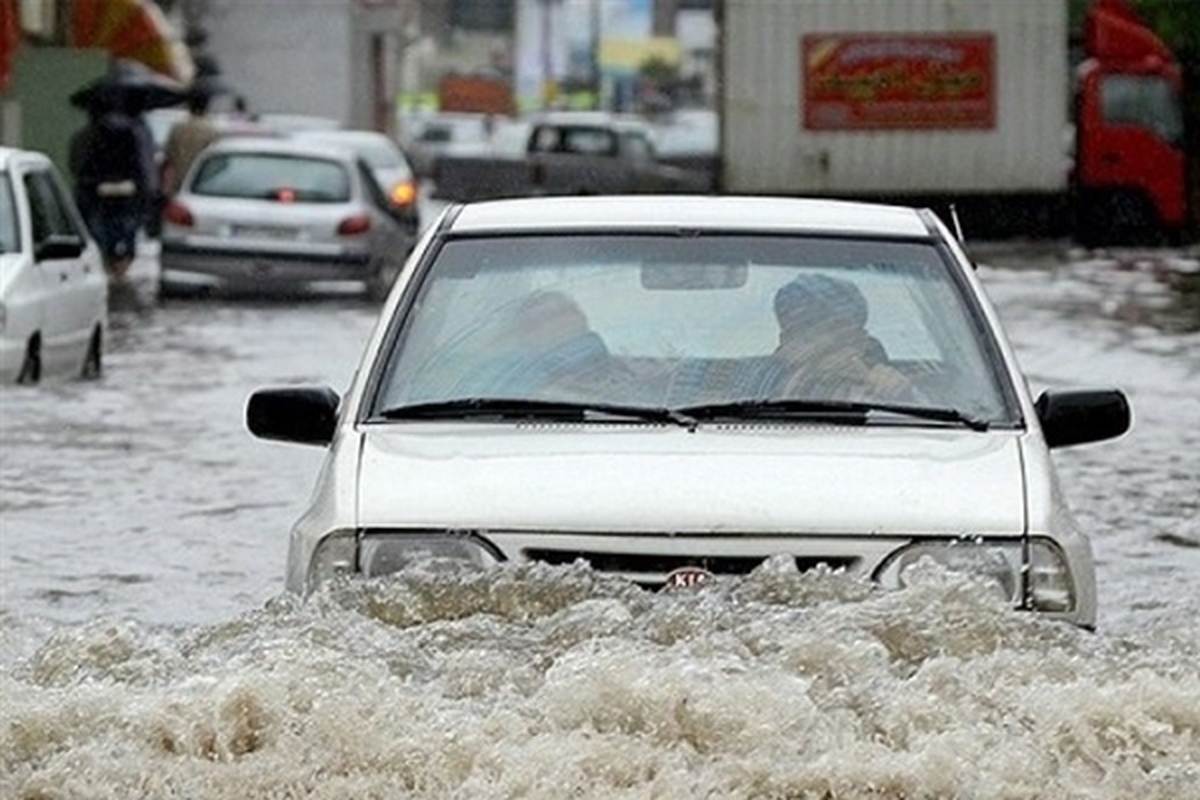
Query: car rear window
x=269, y=176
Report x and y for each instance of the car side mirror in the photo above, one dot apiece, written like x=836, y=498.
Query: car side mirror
x=1079, y=417
x=59, y=245
x=300, y=414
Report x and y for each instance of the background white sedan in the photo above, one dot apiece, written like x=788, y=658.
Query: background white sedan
x=53, y=291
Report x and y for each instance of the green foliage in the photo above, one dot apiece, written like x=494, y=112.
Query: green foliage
x=1076, y=11
x=659, y=70
x=1176, y=21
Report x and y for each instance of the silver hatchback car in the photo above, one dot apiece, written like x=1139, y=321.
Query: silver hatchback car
x=676, y=388
x=262, y=214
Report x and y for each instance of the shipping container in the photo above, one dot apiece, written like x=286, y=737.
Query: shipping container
x=971, y=103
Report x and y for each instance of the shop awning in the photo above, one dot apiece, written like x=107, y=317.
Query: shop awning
x=133, y=29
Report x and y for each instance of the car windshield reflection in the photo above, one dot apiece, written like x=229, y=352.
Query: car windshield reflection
x=723, y=323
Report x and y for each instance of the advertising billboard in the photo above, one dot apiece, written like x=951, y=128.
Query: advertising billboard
x=898, y=81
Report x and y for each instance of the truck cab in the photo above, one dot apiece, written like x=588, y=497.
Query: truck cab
x=1130, y=165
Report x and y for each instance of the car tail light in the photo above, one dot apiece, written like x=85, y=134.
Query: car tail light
x=177, y=213
x=404, y=194
x=354, y=226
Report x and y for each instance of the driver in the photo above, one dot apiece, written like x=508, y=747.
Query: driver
x=825, y=350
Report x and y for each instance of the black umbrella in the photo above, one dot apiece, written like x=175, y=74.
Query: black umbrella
x=129, y=86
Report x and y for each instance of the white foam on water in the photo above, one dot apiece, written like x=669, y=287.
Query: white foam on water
x=548, y=682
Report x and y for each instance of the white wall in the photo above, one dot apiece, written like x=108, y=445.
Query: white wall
x=286, y=56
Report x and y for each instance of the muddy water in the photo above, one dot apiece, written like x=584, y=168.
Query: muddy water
x=146, y=650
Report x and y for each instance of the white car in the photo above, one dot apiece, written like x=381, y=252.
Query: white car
x=53, y=290
x=259, y=214
x=429, y=137
x=388, y=164
x=672, y=388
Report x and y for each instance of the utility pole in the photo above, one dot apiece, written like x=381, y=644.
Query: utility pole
x=596, y=23
x=547, y=54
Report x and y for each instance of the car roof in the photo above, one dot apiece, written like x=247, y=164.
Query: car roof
x=702, y=212
x=601, y=119
x=277, y=145
x=8, y=154
x=342, y=135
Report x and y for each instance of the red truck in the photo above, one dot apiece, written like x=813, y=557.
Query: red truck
x=974, y=103
x=1130, y=165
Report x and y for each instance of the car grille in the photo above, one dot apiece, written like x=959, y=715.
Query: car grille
x=650, y=570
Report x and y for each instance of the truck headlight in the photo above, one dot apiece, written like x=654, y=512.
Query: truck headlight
x=373, y=554
x=1002, y=565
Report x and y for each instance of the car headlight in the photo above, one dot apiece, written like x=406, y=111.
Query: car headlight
x=382, y=553
x=1049, y=584
x=1032, y=574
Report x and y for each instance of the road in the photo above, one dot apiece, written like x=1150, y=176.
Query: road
x=147, y=649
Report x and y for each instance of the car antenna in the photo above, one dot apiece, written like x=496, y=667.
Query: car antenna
x=958, y=231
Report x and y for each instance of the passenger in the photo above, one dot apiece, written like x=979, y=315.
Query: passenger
x=554, y=348
x=824, y=348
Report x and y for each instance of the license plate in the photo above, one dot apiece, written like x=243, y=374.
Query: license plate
x=276, y=232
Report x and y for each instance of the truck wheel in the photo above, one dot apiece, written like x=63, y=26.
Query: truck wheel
x=1119, y=218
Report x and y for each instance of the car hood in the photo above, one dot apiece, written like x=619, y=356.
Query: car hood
x=784, y=479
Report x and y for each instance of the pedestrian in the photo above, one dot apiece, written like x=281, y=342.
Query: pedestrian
x=186, y=140
x=115, y=184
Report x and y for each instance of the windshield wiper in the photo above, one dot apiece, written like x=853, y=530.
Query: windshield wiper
x=841, y=410
x=508, y=408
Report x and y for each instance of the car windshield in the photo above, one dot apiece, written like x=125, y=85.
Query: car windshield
x=9, y=240
x=270, y=176
x=707, y=324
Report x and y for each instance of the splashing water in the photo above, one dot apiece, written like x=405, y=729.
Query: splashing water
x=550, y=682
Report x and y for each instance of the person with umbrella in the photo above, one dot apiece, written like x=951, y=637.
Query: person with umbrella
x=112, y=161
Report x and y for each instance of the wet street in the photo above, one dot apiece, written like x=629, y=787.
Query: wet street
x=146, y=650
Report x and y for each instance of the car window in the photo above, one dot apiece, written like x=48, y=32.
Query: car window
x=682, y=320
x=47, y=207
x=1143, y=100
x=270, y=176
x=436, y=134
x=10, y=240
x=589, y=141
x=371, y=184
x=637, y=146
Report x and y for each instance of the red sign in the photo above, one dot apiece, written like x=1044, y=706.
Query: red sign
x=898, y=81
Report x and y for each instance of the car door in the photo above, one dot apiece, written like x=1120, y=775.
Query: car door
x=68, y=275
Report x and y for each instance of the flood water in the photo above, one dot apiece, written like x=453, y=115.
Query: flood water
x=147, y=649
